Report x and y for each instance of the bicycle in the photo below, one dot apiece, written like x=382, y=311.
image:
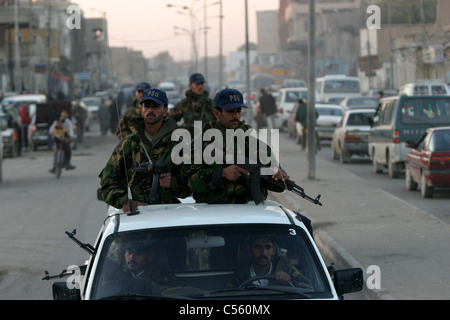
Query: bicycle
x=59, y=159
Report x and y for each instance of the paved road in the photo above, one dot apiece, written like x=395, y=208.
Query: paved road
x=439, y=205
x=359, y=224
x=36, y=209
x=363, y=225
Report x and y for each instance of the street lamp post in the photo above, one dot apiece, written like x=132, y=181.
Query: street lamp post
x=221, y=48
x=194, y=28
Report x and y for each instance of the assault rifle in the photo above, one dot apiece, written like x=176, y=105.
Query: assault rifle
x=256, y=176
x=157, y=168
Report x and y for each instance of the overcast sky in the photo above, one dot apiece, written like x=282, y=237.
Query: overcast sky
x=148, y=25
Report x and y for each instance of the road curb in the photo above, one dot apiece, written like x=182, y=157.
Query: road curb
x=342, y=259
x=334, y=252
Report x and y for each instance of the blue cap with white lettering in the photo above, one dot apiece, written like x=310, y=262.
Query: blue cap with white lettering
x=229, y=99
x=156, y=95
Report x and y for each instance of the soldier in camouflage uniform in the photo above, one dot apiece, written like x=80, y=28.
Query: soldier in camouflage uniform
x=123, y=129
x=221, y=182
x=197, y=106
x=264, y=261
x=150, y=141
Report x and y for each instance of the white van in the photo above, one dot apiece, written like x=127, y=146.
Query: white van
x=286, y=99
x=424, y=88
x=12, y=134
x=336, y=87
x=31, y=99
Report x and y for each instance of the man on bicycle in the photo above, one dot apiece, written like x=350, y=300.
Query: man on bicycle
x=61, y=132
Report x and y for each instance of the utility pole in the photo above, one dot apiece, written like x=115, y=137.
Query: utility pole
x=311, y=89
x=392, y=82
x=17, y=64
x=247, y=58
x=206, y=40
x=221, y=48
x=49, y=46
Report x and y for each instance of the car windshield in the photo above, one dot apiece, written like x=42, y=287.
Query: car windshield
x=440, y=141
x=359, y=119
x=427, y=111
x=210, y=262
x=341, y=86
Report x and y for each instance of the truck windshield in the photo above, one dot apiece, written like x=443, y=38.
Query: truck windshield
x=210, y=262
x=341, y=86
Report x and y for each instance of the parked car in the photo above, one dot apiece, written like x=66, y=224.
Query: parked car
x=13, y=131
x=351, y=137
x=359, y=102
x=286, y=100
x=93, y=104
x=428, y=162
x=199, y=248
x=398, y=120
x=329, y=117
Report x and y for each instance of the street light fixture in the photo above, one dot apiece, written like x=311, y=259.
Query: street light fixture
x=193, y=15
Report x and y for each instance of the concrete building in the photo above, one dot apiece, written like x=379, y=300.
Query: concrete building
x=415, y=50
x=43, y=48
x=337, y=44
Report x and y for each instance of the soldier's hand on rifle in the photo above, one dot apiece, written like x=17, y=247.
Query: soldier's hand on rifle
x=280, y=175
x=126, y=205
x=233, y=172
x=165, y=180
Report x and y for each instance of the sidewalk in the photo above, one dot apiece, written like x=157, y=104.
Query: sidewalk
x=360, y=226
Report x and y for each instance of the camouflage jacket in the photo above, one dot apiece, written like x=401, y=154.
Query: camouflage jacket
x=123, y=129
x=206, y=182
x=278, y=264
x=128, y=154
x=193, y=108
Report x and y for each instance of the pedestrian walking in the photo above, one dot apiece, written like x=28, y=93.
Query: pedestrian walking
x=268, y=108
x=25, y=121
x=302, y=117
x=103, y=117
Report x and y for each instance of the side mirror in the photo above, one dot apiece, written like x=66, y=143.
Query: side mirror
x=348, y=280
x=62, y=292
x=370, y=121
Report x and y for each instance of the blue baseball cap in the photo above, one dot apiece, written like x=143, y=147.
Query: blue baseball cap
x=196, y=78
x=143, y=86
x=229, y=99
x=155, y=95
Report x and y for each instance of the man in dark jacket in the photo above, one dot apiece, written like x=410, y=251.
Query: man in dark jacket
x=268, y=108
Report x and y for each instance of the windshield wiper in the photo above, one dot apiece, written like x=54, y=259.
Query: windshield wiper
x=135, y=296
x=286, y=290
